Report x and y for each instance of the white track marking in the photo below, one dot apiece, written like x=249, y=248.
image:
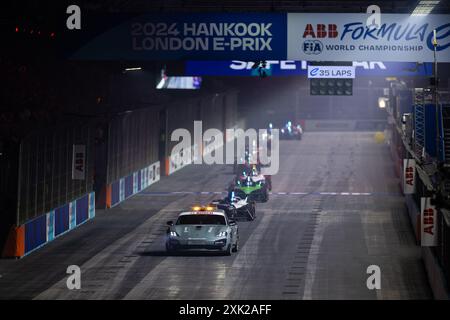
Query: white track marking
x=311, y=266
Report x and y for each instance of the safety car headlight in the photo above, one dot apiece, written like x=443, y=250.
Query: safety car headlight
x=222, y=234
x=173, y=234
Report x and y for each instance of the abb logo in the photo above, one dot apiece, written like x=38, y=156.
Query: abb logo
x=428, y=220
x=321, y=31
x=409, y=176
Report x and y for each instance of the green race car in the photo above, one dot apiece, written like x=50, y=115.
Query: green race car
x=255, y=187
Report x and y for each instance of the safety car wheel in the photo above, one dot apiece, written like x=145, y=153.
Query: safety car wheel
x=236, y=246
x=229, y=250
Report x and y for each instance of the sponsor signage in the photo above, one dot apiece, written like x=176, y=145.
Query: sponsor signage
x=409, y=176
x=255, y=36
x=340, y=37
x=296, y=68
x=331, y=72
x=428, y=223
x=183, y=36
x=79, y=162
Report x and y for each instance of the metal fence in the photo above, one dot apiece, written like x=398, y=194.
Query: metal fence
x=45, y=169
x=132, y=143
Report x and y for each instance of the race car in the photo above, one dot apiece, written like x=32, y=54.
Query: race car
x=255, y=187
x=246, y=161
x=254, y=171
x=236, y=204
x=289, y=131
x=203, y=228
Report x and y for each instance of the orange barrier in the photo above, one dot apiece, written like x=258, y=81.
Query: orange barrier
x=108, y=196
x=15, y=244
x=166, y=169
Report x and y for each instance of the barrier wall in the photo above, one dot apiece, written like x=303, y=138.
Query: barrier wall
x=187, y=156
x=179, y=160
x=128, y=186
x=436, y=259
x=398, y=153
x=414, y=215
x=39, y=231
x=46, y=168
x=215, y=111
x=343, y=125
x=436, y=276
x=133, y=143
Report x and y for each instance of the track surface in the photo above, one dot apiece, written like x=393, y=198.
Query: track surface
x=342, y=212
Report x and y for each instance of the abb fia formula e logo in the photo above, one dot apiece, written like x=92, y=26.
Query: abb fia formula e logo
x=317, y=31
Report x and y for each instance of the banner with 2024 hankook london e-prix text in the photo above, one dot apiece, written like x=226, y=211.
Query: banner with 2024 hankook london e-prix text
x=265, y=36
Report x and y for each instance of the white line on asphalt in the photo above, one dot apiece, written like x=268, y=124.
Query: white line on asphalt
x=311, y=265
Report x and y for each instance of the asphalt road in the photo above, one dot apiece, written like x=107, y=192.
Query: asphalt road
x=336, y=209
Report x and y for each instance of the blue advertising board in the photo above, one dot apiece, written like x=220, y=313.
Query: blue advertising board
x=183, y=36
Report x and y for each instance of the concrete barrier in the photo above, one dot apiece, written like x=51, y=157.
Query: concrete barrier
x=32, y=235
x=435, y=274
x=179, y=160
x=135, y=182
x=343, y=125
x=187, y=156
x=414, y=215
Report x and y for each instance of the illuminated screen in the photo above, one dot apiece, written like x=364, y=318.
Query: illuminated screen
x=192, y=83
